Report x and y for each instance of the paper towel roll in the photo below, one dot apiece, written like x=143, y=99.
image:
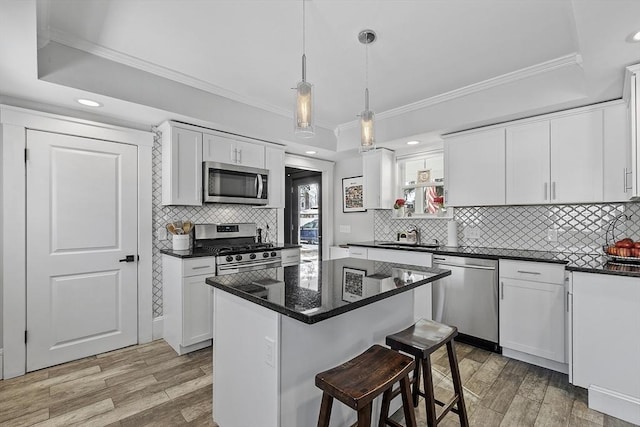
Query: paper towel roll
x=452, y=233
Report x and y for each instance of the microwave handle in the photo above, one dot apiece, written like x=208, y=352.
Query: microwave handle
x=259, y=178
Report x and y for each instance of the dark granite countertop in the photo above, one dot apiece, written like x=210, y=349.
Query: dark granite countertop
x=588, y=263
x=191, y=253
x=311, y=292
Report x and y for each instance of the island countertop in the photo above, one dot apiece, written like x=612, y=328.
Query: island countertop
x=312, y=292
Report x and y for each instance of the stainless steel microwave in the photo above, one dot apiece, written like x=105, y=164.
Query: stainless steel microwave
x=226, y=183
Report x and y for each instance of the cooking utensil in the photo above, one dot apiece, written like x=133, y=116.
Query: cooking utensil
x=171, y=229
x=186, y=226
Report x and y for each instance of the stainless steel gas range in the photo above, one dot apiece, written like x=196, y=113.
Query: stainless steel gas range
x=235, y=247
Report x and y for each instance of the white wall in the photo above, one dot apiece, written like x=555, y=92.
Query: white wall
x=359, y=224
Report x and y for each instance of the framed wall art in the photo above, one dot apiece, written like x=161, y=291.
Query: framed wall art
x=353, y=194
x=352, y=281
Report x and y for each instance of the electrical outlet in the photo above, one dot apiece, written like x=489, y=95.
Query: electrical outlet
x=162, y=233
x=269, y=351
x=552, y=235
x=345, y=229
x=472, y=233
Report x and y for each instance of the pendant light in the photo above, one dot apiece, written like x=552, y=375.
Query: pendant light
x=303, y=113
x=367, y=130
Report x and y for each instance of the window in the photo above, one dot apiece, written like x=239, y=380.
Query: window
x=421, y=184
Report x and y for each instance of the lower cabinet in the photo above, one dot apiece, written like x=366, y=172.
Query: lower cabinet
x=290, y=256
x=188, y=302
x=533, y=310
x=606, y=342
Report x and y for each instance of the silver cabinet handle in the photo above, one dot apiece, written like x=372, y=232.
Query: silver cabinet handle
x=501, y=290
x=567, y=301
x=235, y=155
x=239, y=158
x=200, y=267
x=624, y=180
x=553, y=190
x=529, y=272
x=546, y=185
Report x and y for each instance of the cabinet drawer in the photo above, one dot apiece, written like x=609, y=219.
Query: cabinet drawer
x=290, y=257
x=532, y=271
x=196, y=266
x=422, y=259
x=357, y=252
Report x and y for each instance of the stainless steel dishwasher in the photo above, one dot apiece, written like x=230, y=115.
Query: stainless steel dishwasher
x=468, y=299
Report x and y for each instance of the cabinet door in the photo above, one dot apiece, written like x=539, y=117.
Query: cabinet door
x=197, y=310
x=378, y=176
x=182, y=168
x=576, y=158
x=274, y=163
x=617, y=154
x=249, y=154
x=218, y=149
x=527, y=163
x=532, y=318
x=475, y=169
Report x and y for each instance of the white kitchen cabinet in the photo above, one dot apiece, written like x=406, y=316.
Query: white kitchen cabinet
x=223, y=149
x=187, y=302
x=358, y=252
x=337, y=252
x=378, y=170
x=617, y=154
x=290, y=256
x=606, y=342
x=422, y=259
x=532, y=309
x=274, y=163
x=527, y=163
x=475, y=168
x=576, y=158
x=181, y=165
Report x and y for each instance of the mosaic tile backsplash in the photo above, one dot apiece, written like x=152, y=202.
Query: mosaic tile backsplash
x=208, y=213
x=580, y=228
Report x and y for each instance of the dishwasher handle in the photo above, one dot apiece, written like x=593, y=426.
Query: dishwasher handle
x=474, y=266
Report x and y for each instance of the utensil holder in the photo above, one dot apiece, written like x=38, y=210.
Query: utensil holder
x=180, y=242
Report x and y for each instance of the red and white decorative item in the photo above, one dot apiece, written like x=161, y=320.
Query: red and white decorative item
x=398, y=208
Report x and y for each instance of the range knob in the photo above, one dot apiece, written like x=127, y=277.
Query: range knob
x=238, y=257
x=229, y=258
x=252, y=256
x=265, y=255
x=273, y=254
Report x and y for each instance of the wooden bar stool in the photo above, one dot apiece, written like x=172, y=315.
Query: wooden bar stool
x=420, y=340
x=360, y=380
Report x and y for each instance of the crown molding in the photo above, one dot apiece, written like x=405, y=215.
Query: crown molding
x=514, y=76
x=75, y=42
x=43, y=17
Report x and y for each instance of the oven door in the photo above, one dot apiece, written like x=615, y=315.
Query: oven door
x=223, y=269
x=224, y=183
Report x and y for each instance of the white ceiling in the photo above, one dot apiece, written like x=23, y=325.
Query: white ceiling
x=438, y=65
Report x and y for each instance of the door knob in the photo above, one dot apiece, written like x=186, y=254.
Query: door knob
x=128, y=258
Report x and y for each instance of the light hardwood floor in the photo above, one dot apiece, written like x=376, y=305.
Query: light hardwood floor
x=150, y=385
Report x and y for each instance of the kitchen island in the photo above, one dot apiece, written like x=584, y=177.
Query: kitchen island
x=275, y=329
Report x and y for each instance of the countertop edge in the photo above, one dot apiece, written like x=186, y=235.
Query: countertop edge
x=310, y=320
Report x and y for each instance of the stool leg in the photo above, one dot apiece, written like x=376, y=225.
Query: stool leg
x=325, y=410
x=364, y=416
x=429, y=398
x=457, y=384
x=416, y=382
x=384, y=408
x=409, y=413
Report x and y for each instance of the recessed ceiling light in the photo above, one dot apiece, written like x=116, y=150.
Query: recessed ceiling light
x=633, y=37
x=88, y=102
x=413, y=142
x=311, y=152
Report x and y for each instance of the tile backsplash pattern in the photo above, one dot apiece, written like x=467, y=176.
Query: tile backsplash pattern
x=208, y=213
x=581, y=228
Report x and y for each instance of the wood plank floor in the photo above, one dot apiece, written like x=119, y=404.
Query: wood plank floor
x=150, y=385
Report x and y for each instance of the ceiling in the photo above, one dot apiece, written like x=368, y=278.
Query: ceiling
x=437, y=66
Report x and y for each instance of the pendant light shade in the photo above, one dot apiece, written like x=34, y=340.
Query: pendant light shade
x=303, y=109
x=367, y=128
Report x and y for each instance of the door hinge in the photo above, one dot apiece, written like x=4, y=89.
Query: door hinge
x=26, y=154
x=26, y=336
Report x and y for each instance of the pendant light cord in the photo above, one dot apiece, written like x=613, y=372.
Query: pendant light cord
x=304, y=32
x=366, y=76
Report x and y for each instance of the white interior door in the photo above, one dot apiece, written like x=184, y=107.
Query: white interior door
x=81, y=221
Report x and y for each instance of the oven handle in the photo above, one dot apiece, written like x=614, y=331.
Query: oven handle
x=474, y=266
x=259, y=186
x=235, y=268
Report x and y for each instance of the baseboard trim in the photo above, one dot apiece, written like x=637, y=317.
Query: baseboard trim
x=536, y=360
x=158, y=328
x=616, y=404
x=1, y=364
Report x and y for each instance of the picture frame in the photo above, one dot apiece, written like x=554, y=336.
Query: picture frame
x=424, y=176
x=352, y=284
x=353, y=194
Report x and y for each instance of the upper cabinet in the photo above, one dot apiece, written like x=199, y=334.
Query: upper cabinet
x=632, y=96
x=617, y=154
x=474, y=166
x=217, y=148
x=378, y=170
x=527, y=163
x=181, y=165
x=274, y=162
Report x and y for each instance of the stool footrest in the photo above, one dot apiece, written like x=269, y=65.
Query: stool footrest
x=448, y=407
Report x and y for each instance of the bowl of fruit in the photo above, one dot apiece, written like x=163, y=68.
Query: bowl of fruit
x=624, y=249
